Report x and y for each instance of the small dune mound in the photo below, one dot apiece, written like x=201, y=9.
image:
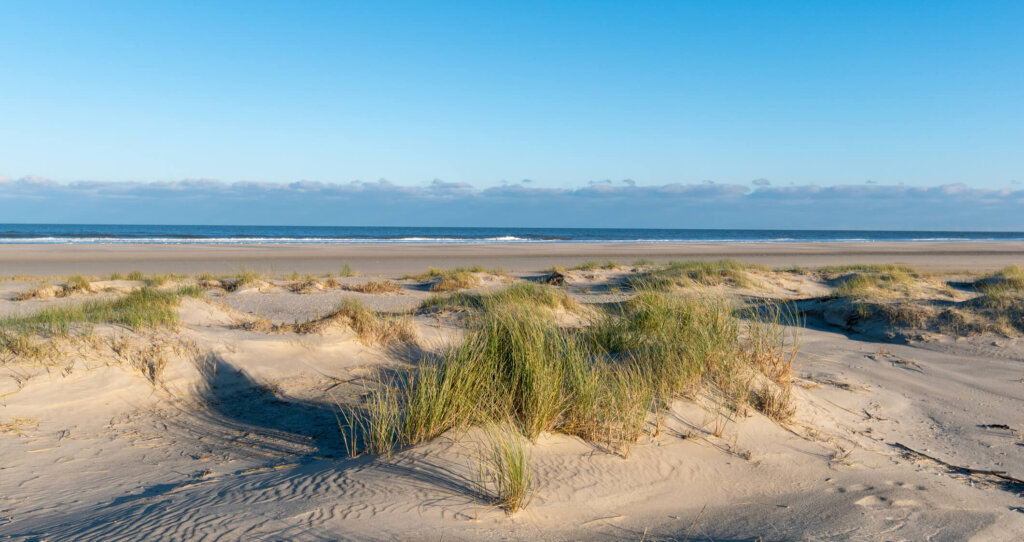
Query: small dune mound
x=1007, y=280
x=244, y=281
x=592, y=265
x=38, y=337
x=210, y=283
x=47, y=291
x=522, y=293
x=375, y=287
x=450, y=280
x=75, y=285
x=881, y=300
x=1000, y=305
x=252, y=286
x=897, y=301
x=698, y=274
x=607, y=381
x=371, y=327
x=306, y=286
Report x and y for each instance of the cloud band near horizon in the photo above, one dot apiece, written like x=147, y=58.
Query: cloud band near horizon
x=439, y=203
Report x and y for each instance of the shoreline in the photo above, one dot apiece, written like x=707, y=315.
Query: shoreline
x=390, y=258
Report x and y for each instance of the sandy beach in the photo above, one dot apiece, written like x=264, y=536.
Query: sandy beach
x=226, y=420
x=466, y=271
x=47, y=260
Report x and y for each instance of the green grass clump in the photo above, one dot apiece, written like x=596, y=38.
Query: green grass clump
x=139, y=309
x=872, y=281
x=157, y=280
x=503, y=474
x=434, y=273
x=448, y=280
x=116, y=276
x=870, y=268
x=242, y=278
x=697, y=273
x=904, y=299
x=865, y=284
x=458, y=281
x=1000, y=307
x=529, y=293
x=370, y=326
x=595, y=265
x=1005, y=282
x=346, y=271
x=885, y=292
x=136, y=275
x=375, y=287
x=76, y=283
x=599, y=382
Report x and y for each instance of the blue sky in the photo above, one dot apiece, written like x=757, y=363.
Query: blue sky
x=563, y=94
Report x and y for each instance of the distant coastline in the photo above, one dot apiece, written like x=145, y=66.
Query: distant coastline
x=313, y=235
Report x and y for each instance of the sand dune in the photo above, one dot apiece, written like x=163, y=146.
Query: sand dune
x=238, y=438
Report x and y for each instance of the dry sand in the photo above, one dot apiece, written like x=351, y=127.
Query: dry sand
x=239, y=440
x=397, y=259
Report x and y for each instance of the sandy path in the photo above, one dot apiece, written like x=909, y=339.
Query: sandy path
x=392, y=259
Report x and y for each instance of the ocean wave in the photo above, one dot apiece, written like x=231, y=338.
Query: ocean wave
x=194, y=240
x=504, y=239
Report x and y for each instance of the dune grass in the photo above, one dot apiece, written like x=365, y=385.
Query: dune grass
x=834, y=270
x=503, y=473
x=529, y=293
x=74, y=284
x=908, y=300
x=449, y=280
x=375, y=287
x=599, y=382
x=433, y=273
x=697, y=273
x=371, y=327
x=374, y=328
x=593, y=265
x=306, y=286
x=1002, y=284
x=775, y=402
x=346, y=271
x=1000, y=307
x=158, y=279
x=865, y=281
x=244, y=277
x=139, y=309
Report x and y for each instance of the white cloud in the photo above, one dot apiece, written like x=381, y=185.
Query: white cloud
x=612, y=204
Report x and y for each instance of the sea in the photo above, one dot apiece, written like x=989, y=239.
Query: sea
x=195, y=234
